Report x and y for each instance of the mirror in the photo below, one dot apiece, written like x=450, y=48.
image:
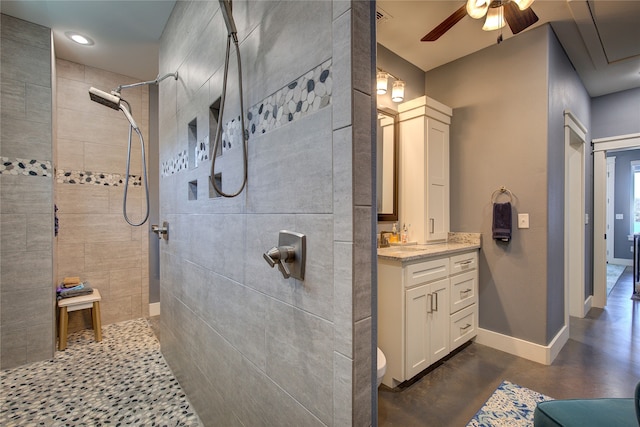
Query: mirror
x=387, y=165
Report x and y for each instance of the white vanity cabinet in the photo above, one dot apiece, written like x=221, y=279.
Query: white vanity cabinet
x=426, y=308
x=424, y=168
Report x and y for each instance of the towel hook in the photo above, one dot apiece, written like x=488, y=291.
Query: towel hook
x=499, y=191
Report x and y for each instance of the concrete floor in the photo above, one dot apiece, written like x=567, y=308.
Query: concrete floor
x=601, y=359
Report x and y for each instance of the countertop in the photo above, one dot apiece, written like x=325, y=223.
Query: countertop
x=457, y=242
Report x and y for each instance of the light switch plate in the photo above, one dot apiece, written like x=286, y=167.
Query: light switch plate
x=523, y=220
x=619, y=216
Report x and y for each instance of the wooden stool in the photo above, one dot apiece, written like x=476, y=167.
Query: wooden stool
x=81, y=302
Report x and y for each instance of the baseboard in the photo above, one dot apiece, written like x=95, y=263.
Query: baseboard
x=622, y=261
x=154, y=309
x=588, y=304
x=544, y=354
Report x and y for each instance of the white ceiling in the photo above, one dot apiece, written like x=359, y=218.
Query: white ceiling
x=601, y=37
x=126, y=33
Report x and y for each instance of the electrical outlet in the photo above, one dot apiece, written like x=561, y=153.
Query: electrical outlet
x=523, y=220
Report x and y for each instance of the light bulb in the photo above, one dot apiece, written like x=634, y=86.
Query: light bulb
x=477, y=8
x=495, y=19
x=381, y=82
x=397, y=91
x=523, y=4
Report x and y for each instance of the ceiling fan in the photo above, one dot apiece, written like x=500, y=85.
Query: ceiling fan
x=517, y=14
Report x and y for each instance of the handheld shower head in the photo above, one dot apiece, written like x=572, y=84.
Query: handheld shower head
x=112, y=101
x=227, y=14
x=104, y=98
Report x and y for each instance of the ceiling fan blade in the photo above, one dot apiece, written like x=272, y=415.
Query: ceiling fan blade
x=517, y=19
x=446, y=25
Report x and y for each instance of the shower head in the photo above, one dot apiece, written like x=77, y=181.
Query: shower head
x=227, y=14
x=104, y=98
x=112, y=101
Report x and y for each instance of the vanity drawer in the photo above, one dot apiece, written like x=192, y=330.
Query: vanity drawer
x=464, y=288
x=464, y=262
x=427, y=271
x=463, y=326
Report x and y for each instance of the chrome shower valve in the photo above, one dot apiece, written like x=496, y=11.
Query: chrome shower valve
x=289, y=255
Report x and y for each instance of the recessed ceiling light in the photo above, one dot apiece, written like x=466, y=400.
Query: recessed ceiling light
x=79, y=38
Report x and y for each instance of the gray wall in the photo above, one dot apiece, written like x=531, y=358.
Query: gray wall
x=616, y=114
x=402, y=69
x=26, y=195
x=501, y=134
x=249, y=347
x=623, y=202
x=565, y=92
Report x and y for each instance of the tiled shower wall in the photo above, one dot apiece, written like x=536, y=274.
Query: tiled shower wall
x=248, y=346
x=26, y=194
x=94, y=241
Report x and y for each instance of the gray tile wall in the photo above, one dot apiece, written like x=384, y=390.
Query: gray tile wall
x=94, y=242
x=249, y=347
x=26, y=202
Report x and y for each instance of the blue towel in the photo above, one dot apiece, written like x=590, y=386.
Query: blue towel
x=501, y=226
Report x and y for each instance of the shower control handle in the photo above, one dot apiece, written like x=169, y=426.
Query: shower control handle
x=289, y=255
x=280, y=256
x=162, y=232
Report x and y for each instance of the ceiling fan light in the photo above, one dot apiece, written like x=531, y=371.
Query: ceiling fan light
x=381, y=82
x=477, y=8
x=397, y=91
x=495, y=19
x=523, y=4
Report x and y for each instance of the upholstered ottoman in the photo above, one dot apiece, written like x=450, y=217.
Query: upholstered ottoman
x=589, y=412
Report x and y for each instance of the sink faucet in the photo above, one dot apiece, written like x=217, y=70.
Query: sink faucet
x=384, y=241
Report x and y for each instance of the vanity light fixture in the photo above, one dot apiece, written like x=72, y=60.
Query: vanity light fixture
x=79, y=38
x=382, y=83
x=397, y=92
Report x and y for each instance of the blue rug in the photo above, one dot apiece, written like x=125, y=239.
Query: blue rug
x=510, y=405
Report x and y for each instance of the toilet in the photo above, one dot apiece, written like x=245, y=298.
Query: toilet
x=382, y=366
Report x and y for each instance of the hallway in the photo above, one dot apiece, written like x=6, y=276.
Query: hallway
x=601, y=358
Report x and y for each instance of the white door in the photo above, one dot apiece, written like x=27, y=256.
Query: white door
x=437, y=162
x=439, y=320
x=418, y=305
x=611, y=178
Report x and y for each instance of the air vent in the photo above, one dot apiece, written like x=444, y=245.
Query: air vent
x=381, y=16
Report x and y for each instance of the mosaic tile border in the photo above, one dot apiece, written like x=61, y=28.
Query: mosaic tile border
x=304, y=96
x=175, y=165
x=28, y=167
x=95, y=178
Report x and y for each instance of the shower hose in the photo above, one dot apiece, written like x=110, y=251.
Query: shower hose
x=219, y=124
x=144, y=174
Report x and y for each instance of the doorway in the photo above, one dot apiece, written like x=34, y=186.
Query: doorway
x=600, y=148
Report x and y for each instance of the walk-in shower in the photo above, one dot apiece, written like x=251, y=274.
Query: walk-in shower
x=225, y=8
x=114, y=100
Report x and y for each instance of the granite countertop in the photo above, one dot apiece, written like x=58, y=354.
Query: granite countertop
x=456, y=242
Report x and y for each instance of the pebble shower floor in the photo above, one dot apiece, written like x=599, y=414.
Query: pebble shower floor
x=123, y=380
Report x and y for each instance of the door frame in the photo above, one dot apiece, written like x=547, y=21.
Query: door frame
x=610, y=202
x=600, y=148
x=576, y=303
